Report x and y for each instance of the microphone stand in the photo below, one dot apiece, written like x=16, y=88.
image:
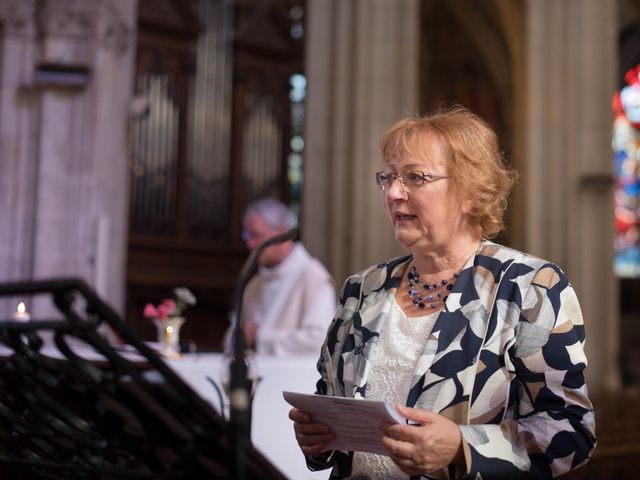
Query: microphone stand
x=239, y=385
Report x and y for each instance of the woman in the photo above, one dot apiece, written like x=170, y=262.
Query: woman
x=479, y=345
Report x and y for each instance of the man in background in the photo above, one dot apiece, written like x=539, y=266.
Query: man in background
x=289, y=303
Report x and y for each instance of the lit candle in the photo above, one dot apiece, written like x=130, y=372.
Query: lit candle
x=21, y=313
x=168, y=333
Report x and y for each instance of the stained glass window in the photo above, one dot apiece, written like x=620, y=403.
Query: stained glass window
x=626, y=165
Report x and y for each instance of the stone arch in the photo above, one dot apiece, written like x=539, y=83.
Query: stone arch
x=477, y=60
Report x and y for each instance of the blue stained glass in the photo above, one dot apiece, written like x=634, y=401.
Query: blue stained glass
x=626, y=170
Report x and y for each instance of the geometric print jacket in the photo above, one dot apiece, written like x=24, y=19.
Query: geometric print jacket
x=505, y=361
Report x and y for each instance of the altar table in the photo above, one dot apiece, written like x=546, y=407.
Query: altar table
x=271, y=430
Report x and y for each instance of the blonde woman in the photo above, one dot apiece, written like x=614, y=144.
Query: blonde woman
x=480, y=346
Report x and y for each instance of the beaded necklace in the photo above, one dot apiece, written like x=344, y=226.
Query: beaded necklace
x=435, y=294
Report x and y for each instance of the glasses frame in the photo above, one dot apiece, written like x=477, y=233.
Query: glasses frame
x=426, y=178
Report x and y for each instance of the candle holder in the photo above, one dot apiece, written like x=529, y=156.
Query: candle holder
x=21, y=313
x=168, y=331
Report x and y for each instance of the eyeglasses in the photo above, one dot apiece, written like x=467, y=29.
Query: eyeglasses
x=410, y=179
x=250, y=234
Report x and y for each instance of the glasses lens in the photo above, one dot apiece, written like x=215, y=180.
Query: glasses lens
x=413, y=178
x=386, y=179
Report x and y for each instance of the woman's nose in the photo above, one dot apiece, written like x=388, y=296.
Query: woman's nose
x=396, y=190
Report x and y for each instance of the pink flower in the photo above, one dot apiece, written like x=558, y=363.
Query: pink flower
x=150, y=311
x=166, y=309
x=169, y=307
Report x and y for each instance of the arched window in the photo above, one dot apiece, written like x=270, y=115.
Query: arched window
x=626, y=172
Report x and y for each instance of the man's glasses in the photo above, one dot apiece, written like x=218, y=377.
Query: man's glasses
x=249, y=234
x=410, y=179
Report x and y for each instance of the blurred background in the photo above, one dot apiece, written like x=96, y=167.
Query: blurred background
x=134, y=132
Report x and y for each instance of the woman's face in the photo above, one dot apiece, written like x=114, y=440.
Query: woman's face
x=429, y=217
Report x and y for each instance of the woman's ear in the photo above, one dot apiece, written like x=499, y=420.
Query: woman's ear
x=466, y=202
x=467, y=205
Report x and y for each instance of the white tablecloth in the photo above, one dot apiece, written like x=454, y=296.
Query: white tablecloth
x=271, y=429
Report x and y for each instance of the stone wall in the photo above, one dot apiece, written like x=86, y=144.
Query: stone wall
x=66, y=79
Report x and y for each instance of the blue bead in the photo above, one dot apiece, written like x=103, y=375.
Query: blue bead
x=444, y=282
x=449, y=287
x=429, y=298
x=439, y=294
x=415, y=300
x=426, y=287
x=421, y=305
x=433, y=305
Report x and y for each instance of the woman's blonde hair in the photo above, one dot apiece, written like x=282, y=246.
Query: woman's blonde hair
x=473, y=159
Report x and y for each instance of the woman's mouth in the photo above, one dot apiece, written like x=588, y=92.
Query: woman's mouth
x=404, y=218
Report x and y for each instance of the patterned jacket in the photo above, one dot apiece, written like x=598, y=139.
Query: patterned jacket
x=505, y=361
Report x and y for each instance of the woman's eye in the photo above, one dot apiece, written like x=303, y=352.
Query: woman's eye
x=414, y=177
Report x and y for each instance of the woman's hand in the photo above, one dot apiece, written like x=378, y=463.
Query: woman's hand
x=311, y=436
x=417, y=449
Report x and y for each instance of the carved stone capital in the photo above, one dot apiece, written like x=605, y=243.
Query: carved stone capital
x=98, y=21
x=86, y=20
x=17, y=18
x=71, y=19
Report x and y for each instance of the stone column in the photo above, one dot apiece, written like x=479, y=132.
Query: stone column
x=65, y=146
x=571, y=56
x=362, y=70
x=18, y=127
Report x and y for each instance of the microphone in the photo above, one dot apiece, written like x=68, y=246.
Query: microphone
x=239, y=385
x=250, y=264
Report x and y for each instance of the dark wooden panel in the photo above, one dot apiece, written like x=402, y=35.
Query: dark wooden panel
x=186, y=232
x=156, y=267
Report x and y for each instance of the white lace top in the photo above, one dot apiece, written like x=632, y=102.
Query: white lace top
x=393, y=363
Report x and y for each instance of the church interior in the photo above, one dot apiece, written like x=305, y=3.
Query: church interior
x=133, y=133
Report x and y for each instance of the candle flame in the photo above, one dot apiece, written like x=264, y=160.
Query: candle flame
x=21, y=308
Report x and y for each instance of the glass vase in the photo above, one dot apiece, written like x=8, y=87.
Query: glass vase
x=169, y=336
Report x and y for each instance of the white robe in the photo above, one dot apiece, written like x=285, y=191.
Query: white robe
x=292, y=303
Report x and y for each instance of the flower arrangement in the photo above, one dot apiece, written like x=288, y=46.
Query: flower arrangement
x=169, y=307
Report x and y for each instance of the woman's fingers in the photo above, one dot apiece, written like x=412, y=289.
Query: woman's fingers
x=417, y=415
x=311, y=436
x=430, y=442
x=316, y=449
x=397, y=447
x=403, y=454
x=303, y=423
x=314, y=443
x=313, y=428
x=299, y=416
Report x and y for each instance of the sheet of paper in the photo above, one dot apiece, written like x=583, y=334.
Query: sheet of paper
x=355, y=422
